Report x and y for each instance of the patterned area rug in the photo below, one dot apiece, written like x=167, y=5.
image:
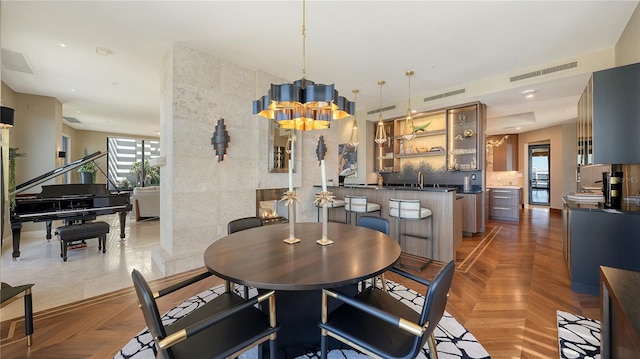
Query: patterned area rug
x=578, y=336
x=453, y=339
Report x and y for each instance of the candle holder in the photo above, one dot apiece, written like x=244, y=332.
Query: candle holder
x=291, y=198
x=323, y=199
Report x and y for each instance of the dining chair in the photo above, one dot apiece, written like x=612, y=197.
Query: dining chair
x=241, y=224
x=226, y=326
x=377, y=224
x=8, y=292
x=380, y=325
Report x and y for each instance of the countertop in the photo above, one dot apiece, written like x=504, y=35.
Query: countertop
x=426, y=188
x=629, y=208
x=509, y=187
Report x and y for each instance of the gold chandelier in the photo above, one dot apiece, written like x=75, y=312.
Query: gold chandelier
x=303, y=105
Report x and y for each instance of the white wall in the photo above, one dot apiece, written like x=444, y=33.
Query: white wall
x=562, y=139
x=628, y=46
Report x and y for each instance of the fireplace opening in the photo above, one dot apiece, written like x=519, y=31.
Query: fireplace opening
x=268, y=206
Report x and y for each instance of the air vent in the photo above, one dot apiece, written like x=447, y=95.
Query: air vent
x=392, y=107
x=71, y=119
x=444, y=94
x=16, y=61
x=548, y=70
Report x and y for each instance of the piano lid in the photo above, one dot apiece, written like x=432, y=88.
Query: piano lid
x=57, y=172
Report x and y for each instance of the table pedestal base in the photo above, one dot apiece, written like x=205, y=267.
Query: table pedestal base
x=298, y=314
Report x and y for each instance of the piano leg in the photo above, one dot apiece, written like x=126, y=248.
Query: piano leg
x=15, y=231
x=123, y=222
x=48, y=224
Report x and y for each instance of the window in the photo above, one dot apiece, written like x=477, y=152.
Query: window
x=126, y=156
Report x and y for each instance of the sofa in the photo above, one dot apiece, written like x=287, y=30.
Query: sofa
x=146, y=202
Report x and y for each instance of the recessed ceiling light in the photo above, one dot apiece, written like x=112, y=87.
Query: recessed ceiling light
x=73, y=90
x=529, y=93
x=103, y=51
x=62, y=45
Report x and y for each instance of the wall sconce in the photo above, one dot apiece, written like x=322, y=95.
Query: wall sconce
x=220, y=139
x=62, y=154
x=6, y=117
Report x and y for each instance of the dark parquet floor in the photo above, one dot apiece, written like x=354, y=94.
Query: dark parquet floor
x=508, y=285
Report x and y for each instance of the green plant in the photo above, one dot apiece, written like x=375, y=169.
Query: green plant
x=13, y=154
x=151, y=174
x=89, y=166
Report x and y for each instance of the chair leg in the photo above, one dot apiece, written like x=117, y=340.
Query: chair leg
x=28, y=315
x=323, y=346
x=433, y=352
x=246, y=292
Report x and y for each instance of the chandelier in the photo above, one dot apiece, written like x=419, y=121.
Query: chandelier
x=303, y=105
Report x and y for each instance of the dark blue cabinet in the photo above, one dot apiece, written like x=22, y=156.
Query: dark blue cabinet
x=616, y=115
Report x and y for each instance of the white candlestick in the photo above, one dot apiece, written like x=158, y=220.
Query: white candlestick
x=324, y=176
x=290, y=177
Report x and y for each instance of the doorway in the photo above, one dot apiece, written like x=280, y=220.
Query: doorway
x=539, y=175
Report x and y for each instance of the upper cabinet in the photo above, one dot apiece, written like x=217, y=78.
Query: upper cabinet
x=384, y=151
x=612, y=98
x=585, y=126
x=502, y=152
x=465, y=137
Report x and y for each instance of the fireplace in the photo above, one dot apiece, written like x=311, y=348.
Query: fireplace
x=268, y=206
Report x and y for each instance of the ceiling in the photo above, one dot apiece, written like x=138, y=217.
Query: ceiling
x=476, y=46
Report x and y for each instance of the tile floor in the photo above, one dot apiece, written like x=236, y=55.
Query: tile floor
x=87, y=271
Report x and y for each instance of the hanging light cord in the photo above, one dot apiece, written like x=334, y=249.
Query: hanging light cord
x=409, y=73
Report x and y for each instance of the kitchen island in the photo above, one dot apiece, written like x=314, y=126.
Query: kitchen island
x=444, y=202
x=594, y=237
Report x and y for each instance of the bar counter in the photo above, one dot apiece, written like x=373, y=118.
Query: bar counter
x=444, y=202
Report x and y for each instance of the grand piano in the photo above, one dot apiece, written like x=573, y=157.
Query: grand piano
x=70, y=203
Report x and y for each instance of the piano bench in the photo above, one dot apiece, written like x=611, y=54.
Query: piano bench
x=80, y=232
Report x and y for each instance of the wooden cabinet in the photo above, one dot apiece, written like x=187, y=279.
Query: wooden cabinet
x=610, y=103
x=471, y=213
x=502, y=152
x=464, y=138
x=504, y=204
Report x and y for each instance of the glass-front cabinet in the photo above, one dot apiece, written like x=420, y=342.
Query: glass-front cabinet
x=464, y=135
x=384, y=151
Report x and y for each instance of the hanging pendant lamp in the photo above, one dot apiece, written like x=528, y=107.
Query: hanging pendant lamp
x=381, y=134
x=303, y=105
x=355, y=135
x=409, y=131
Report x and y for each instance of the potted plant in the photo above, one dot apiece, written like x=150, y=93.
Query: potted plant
x=13, y=154
x=87, y=171
x=151, y=174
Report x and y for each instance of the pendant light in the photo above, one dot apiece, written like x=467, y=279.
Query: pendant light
x=408, y=133
x=355, y=135
x=303, y=105
x=381, y=134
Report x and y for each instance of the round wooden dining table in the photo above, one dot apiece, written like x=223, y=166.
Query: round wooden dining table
x=259, y=257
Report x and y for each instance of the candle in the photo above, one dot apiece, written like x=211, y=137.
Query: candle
x=324, y=177
x=290, y=177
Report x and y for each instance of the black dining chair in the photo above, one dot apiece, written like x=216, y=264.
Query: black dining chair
x=241, y=224
x=7, y=292
x=377, y=224
x=381, y=326
x=226, y=326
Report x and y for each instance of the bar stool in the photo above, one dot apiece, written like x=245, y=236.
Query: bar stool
x=337, y=204
x=359, y=204
x=410, y=209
